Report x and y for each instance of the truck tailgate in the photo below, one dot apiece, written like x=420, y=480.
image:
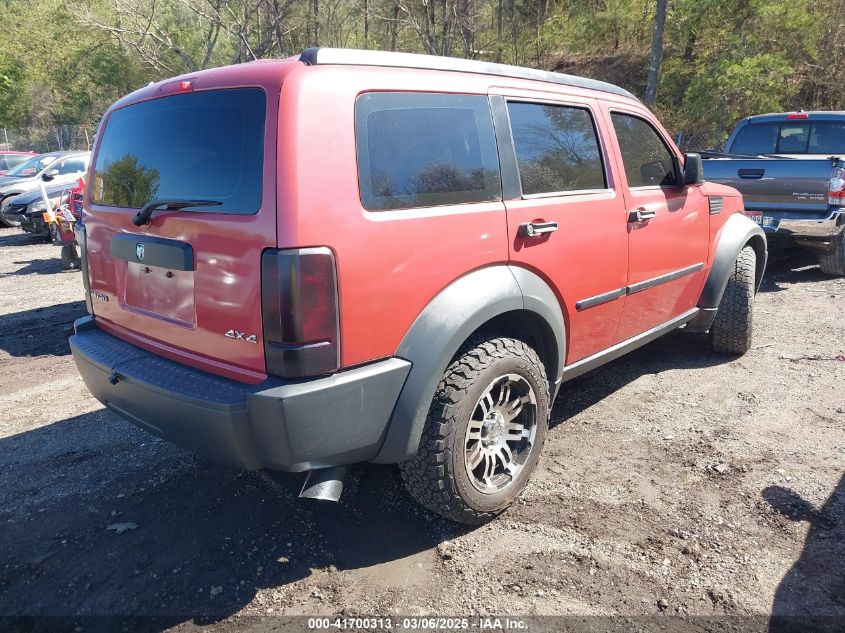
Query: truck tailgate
x=775, y=184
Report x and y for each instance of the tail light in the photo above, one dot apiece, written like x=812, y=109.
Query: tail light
x=82, y=240
x=299, y=307
x=836, y=189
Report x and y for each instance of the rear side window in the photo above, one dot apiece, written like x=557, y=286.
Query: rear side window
x=420, y=150
x=648, y=161
x=206, y=145
x=756, y=139
x=556, y=148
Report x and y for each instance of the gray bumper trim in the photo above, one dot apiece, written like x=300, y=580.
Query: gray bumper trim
x=816, y=228
x=293, y=426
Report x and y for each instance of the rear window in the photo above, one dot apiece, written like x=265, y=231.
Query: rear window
x=13, y=160
x=804, y=137
x=205, y=145
x=419, y=150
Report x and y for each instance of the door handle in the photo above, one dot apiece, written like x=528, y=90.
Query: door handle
x=751, y=174
x=641, y=215
x=536, y=229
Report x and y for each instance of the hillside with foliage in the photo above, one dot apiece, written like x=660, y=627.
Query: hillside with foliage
x=64, y=61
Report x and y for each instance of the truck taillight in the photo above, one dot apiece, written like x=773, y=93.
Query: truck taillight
x=299, y=306
x=836, y=189
x=82, y=240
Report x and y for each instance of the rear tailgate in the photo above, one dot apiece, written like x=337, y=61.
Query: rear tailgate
x=796, y=185
x=187, y=285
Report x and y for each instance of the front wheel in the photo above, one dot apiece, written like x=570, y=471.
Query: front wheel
x=4, y=219
x=484, y=432
x=732, y=328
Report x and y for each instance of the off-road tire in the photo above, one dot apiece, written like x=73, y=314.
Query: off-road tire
x=437, y=475
x=832, y=261
x=732, y=328
x=70, y=257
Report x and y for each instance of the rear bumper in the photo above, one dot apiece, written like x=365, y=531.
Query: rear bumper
x=824, y=227
x=292, y=426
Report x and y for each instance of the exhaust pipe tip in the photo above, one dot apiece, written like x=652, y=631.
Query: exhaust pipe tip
x=324, y=484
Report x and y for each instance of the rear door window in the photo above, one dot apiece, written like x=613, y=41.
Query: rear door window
x=557, y=149
x=424, y=149
x=647, y=159
x=206, y=145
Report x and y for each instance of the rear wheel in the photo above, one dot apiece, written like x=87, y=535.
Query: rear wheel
x=732, y=328
x=832, y=261
x=484, y=432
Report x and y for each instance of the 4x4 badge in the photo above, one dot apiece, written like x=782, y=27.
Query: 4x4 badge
x=240, y=336
x=139, y=251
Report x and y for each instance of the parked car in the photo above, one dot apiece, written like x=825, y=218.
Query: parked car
x=26, y=210
x=354, y=256
x=790, y=169
x=10, y=159
x=54, y=168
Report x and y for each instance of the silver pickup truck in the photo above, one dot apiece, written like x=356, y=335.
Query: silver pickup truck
x=790, y=169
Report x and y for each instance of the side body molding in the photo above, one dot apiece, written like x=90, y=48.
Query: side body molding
x=443, y=326
x=735, y=234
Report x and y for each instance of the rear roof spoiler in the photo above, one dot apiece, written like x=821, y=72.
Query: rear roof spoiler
x=357, y=57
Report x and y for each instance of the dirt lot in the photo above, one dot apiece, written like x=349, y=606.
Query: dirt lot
x=674, y=482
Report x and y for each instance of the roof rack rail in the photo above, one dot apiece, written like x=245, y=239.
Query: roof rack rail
x=357, y=57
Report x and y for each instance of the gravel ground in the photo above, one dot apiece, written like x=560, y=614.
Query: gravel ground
x=674, y=483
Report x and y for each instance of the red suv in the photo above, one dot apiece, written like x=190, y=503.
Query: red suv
x=355, y=256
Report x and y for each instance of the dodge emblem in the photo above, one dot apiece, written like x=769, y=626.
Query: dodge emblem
x=139, y=251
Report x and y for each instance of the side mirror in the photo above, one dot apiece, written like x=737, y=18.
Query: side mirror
x=49, y=175
x=693, y=170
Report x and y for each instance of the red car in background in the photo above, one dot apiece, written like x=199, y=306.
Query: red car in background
x=10, y=159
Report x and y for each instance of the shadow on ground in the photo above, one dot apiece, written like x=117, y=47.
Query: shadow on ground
x=791, y=266
x=40, y=331
x=811, y=597
x=207, y=538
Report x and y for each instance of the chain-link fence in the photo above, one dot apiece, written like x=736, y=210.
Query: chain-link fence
x=700, y=139
x=47, y=139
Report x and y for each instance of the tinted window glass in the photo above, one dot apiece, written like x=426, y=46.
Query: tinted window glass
x=3, y=165
x=556, y=148
x=648, y=162
x=418, y=150
x=825, y=137
x=205, y=145
x=793, y=138
x=13, y=160
x=30, y=167
x=756, y=139
x=71, y=166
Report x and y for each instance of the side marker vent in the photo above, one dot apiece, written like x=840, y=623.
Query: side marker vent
x=716, y=204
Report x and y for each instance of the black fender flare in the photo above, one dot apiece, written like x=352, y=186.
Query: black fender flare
x=737, y=232
x=448, y=320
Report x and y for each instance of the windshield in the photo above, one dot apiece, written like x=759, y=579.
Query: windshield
x=31, y=167
x=789, y=137
x=205, y=145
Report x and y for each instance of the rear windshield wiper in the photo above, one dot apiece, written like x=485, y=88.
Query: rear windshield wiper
x=143, y=216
